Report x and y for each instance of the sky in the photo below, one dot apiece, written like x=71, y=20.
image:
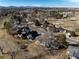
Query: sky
x=41, y=3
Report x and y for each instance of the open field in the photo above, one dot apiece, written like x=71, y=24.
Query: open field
x=69, y=24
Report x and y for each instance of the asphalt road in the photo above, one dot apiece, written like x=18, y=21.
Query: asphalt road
x=70, y=40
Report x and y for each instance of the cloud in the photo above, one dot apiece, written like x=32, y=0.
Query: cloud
x=71, y=1
x=37, y=5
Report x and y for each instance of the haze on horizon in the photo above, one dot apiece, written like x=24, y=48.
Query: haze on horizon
x=41, y=3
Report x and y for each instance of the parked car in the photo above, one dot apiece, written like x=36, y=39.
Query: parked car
x=73, y=52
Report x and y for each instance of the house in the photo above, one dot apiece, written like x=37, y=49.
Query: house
x=60, y=29
x=51, y=28
x=27, y=33
x=68, y=33
x=47, y=41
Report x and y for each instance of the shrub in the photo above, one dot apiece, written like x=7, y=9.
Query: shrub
x=73, y=34
x=57, y=15
x=6, y=25
x=24, y=15
x=62, y=40
x=37, y=23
